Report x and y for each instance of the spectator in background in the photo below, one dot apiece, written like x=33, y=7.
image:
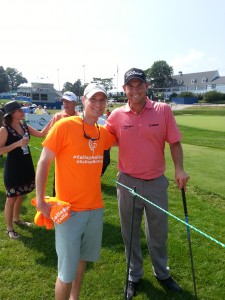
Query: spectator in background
x=45, y=110
x=108, y=113
x=39, y=110
x=19, y=174
x=142, y=128
x=26, y=107
x=69, y=100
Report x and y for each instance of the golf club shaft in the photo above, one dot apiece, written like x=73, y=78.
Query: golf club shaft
x=130, y=245
x=189, y=239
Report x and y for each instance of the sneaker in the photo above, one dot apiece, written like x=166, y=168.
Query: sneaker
x=23, y=223
x=12, y=234
x=170, y=284
x=131, y=290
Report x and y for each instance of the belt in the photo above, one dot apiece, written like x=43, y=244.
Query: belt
x=145, y=179
x=140, y=178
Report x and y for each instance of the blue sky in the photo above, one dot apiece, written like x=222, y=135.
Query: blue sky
x=54, y=39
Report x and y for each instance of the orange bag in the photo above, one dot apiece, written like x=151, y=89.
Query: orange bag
x=60, y=212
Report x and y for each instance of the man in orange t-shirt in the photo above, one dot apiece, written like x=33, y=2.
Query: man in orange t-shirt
x=77, y=144
x=69, y=100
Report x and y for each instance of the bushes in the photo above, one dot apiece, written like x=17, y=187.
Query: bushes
x=209, y=97
x=214, y=97
x=187, y=95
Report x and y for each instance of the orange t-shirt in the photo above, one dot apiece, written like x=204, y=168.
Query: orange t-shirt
x=78, y=162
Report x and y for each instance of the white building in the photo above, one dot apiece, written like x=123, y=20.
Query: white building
x=40, y=93
x=197, y=83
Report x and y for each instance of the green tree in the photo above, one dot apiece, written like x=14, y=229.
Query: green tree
x=15, y=78
x=213, y=97
x=106, y=82
x=160, y=74
x=187, y=95
x=77, y=88
x=68, y=86
x=4, y=82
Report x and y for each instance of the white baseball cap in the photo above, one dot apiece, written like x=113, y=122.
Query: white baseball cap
x=70, y=96
x=94, y=88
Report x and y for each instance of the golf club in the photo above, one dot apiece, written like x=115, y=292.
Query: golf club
x=130, y=244
x=189, y=239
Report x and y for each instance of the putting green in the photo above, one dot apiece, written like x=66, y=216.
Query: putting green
x=215, y=123
x=204, y=165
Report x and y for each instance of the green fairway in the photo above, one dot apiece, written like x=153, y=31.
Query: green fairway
x=215, y=123
x=28, y=266
x=205, y=166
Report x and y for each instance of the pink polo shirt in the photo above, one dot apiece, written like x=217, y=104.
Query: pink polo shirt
x=142, y=138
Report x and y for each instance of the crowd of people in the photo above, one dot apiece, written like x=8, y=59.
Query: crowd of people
x=80, y=148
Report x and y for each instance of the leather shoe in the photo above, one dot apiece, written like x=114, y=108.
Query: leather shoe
x=170, y=284
x=131, y=290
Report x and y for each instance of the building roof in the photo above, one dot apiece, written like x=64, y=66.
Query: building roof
x=39, y=81
x=199, y=78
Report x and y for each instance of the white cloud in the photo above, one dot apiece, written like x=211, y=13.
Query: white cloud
x=188, y=63
x=196, y=61
x=42, y=37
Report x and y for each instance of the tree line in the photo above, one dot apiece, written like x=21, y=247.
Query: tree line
x=159, y=75
x=10, y=79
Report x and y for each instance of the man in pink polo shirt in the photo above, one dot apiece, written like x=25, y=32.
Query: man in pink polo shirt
x=142, y=128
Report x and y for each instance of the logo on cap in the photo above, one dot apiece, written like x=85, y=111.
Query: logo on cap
x=134, y=73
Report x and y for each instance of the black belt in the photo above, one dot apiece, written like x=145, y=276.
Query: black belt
x=140, y=178
x=145, y=179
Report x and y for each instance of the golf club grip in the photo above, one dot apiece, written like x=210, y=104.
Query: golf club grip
x=184, y=201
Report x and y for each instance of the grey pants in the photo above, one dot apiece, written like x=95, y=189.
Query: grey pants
x=156, y=223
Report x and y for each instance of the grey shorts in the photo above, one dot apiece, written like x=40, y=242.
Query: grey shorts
x=78, y=238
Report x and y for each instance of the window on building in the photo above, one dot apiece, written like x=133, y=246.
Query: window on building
x=35, y=97
x=182, y=88
x=44, y=97
x=204, y=79
x=191, y=88
x=193, y=80
x=201, y=87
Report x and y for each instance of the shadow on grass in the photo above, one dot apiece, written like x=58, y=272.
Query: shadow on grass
x=153, y=292
x=42, y=241
x=112, y=238
x=108, y=188
x=2, y=200
x=23, y=210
